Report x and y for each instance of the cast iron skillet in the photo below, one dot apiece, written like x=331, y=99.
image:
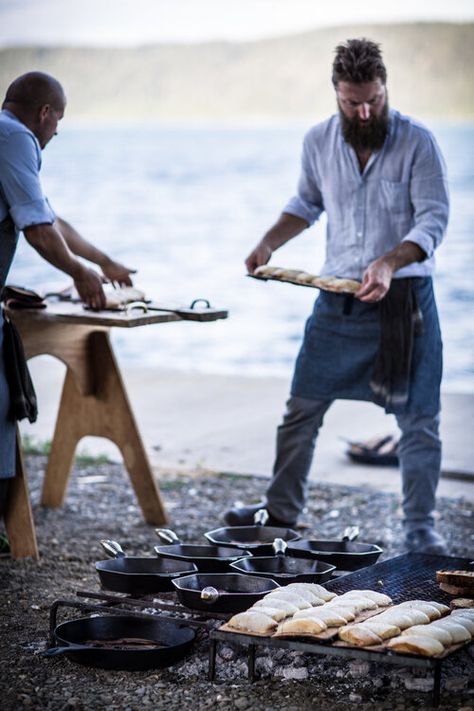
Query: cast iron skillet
x=74, y=640
x=138, y=576
x=283, y=569
x=257, y=539
x=345, y=554
x=206, y=558
x=228, y=592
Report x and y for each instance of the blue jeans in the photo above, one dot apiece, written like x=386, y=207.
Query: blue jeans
x=419, y=455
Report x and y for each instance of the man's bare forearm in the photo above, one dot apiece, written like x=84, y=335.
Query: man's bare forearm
x=286, y=227
x=78, y=245
x=50, y=244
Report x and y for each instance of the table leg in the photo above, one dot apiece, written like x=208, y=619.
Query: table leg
x=19, y=521
x=104, y=413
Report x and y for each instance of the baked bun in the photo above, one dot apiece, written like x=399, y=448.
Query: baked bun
x=360, y=635
x=254, y=622
x=418, y=644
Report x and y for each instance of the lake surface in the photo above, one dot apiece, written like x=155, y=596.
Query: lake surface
x=185, y=205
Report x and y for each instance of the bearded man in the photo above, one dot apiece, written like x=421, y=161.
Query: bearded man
x=381, y=180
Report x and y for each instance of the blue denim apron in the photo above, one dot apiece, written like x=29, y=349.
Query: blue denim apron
x=8, y=242
x=338, y=353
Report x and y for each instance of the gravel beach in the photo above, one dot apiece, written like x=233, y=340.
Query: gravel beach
x=101, y=504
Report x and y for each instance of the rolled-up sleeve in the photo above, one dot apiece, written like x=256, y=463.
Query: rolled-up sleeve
x=429, y=196
x=20, y=161
x=308, y=202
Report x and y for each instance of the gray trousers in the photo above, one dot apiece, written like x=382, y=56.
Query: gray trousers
x=419, y=455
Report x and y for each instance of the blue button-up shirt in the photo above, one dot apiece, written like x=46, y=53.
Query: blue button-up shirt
x=21, y=194
x=401, y=194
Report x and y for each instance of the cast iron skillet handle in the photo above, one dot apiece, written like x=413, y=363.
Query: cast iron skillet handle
x=261, y=517
x=198, y=301
x=350, y=533
x=167, y=535
x=55, y=651
x=209, y=594
x=112, y=548
x=280, y=546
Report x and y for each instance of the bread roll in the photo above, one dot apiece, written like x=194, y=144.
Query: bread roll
x=329, y=615
x=288, y=595
x=317, y=589
x=254, y=622
x=403, y=618
x=465, y=621
x=359, y=635
x=457, y=631
x=305, y=592
x=419, y=644
x=383, y=629
x=379, y=598
x=303, y=627
x=358, y=600
x=467, y=611
x=437, y=633
x=426, y=607
x=346, y=611
x=280, y=604
x=275, y=613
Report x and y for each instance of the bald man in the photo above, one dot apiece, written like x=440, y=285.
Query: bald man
x=33, y=106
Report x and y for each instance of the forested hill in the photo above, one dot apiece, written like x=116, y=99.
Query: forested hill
x=430, y=75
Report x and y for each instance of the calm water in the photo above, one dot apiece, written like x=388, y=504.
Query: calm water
x=184, y=206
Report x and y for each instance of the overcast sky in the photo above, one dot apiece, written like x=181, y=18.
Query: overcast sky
x=134, y=22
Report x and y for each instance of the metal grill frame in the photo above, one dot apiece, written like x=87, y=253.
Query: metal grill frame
x=405, y=577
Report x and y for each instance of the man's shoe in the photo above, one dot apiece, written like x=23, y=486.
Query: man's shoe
x=425, y=540
x=244, y=516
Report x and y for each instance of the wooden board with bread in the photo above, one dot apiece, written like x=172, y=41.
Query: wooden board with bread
x=299, y=277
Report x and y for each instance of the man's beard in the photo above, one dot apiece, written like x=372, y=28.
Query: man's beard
x=370, y=135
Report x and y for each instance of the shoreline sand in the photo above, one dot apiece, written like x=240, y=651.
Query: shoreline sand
x=227, y=423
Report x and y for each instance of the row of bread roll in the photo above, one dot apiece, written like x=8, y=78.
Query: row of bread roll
x=334, y=613
x=391, y=622
x=263, y=617
x=434, y=638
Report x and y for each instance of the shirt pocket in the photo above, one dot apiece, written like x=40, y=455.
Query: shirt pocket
x=395, y=196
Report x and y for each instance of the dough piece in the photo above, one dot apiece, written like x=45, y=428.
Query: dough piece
x=379, y=598
x=359, y=601
x=304, y=278
x=114, y=298
x=457, y=631
x=360, y=635
x=329, y=615
x=274, y=612
x=346, y=611
x=267, y=271
x=256, y=622
x=307, y=593
x=383, y=629
x=426, y=607
x=318, y=590
x=339, y=286
x=302, y=627
x=403, y=618
x=285, y=605
x=290, y=596
x=419, y=644
x=432, y=631
x=466, y=621
x=444, y=609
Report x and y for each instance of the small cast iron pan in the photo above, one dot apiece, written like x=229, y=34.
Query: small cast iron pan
x=345, y=554
x=257, y=539
x=138, y=576
x=206, y=558
x=228, y=592
x=283, y=569
x=116, y=640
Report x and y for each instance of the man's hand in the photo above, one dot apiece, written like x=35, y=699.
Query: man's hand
x=376, y=281
x=260, y=255
x=378, y=275
x=116, y=273
x=89, y=287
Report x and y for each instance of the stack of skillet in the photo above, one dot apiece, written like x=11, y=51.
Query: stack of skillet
x=236, y=568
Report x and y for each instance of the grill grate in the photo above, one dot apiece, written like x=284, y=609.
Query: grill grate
x=407, y=577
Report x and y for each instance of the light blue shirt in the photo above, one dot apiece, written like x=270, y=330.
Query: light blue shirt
x=21, y=194
x=402, y=194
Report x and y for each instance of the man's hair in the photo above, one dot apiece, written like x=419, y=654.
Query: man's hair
x=358, y=61
x=35, y=89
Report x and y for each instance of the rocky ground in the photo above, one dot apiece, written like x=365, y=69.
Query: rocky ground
x=101, y=504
